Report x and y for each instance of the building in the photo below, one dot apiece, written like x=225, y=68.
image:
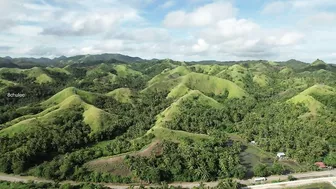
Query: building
x=281, y=155
x=321, y=165
x=260, y=179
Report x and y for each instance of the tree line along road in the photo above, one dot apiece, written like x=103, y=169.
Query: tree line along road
x=303, y=179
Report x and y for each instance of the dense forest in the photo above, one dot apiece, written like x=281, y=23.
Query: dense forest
x=129, y=120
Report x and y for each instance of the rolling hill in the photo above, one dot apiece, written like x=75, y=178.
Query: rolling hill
x=306, y=98
x=178, y=84
x=66, y=99
x=102, y=111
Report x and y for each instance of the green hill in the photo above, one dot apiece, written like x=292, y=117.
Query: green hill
x=261, y=79
x=309, y=101
x=122, y=95
x=96, y=118
x=318, y=62
x=194, y=96
x=170, y=74
x=211, y=85
x=64, y=94
x=286, y=71
x=237, y=74
x=207, y=69
x=39, y=74
x=124, y=71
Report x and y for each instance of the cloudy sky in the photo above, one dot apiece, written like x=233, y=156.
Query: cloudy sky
x=176, y=29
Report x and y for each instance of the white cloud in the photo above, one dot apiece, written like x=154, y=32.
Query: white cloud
x=149, y=34
x=235, y=28
x=168, y=4
x=289, y=38
x=275, y=7
x=280, y=6
x=321, y=18
x=304, y=4
x=25, y=30
x=201, y=46
x=202, y=16
x=79, y=23
x=205, y=30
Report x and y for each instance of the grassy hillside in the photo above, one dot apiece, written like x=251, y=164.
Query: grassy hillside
x=66, y=99
x=236, y=73
x=122, y=95
x=64, y=94
x=208, y=69
x=195, y=96
x=124, y=71
x=169, y=75
x=39, y=74
x=179, y=85
x=261, y=79
x=306, y=99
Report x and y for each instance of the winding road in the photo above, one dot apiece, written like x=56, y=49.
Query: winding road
x=303, y=179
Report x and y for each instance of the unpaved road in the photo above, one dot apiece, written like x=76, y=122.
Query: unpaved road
x=304, y=179
x=295, y=183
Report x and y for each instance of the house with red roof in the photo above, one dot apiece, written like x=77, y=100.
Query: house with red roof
x=321, y=165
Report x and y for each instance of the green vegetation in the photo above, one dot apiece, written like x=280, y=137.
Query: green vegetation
x=33, y=185
x=113, y=118
x=122, y=95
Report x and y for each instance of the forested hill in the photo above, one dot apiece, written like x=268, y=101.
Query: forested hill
x=63, y=60
x=114, y=118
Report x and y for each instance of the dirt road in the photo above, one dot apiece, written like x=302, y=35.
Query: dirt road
x=294, y=183
x=304, y=178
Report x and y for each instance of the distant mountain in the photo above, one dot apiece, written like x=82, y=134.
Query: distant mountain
x=7, y=63
x=100, y=57
x=63, y=60
x=294, y=64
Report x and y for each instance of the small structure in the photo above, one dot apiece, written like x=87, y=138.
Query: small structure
x=321, y=165
x=260, y=179
x=253, y=142
x=281, y=155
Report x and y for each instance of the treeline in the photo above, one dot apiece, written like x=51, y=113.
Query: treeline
x=223, y=184
x=63, y=134
x=70, y=165
x=42, y=185
x=205, y=160
x=280, y=128
x=200, y=118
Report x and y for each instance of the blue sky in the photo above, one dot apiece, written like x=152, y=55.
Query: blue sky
x=176, y=29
